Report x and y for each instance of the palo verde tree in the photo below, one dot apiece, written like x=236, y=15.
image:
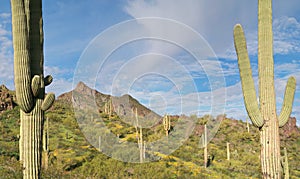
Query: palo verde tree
x=27, y=26
x=263, y=114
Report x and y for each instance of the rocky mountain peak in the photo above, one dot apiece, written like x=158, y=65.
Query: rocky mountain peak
x=84, y=89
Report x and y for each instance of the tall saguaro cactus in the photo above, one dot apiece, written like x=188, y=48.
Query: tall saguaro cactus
x=27, y=26
x=263, y=115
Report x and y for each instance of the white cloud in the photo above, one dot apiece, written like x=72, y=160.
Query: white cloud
x=286, y=35
x=5, y=15
x=61, y=83
x=6, y=55
x=206, y=17
x=59, y=86
x=286, y=38
x=56, y=71
x=215, y=20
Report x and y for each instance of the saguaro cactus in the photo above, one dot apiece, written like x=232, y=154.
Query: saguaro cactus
x=167, y=124
x=46, y=144
x=285, y=165
x=264, y=115
x=139, y=136
x=228, y=150
x=205, y=146
x=29, y=81
x=247, y=125
x=108, y=107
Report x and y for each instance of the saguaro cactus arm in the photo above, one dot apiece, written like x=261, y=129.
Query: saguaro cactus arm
x=22, y=72
x=48, y=80
x=287, y=102
x=35, y=85
x=250, y=98
x=48, y=101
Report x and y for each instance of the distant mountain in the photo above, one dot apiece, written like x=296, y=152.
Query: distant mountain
x=84, y=97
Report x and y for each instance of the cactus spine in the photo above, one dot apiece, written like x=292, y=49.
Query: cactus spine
x=167, y=124
x=29, y=80
x=264, y=115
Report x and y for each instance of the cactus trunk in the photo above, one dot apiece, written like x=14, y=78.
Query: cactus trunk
x=45, y=154
x=29, y=81
x=32, y=143
x=167, y=124
x=139, y=136
x=269, y=133
x=286, y=165
x=205, y=146
x=264, y=115
x=248, y=127
x=228, y=150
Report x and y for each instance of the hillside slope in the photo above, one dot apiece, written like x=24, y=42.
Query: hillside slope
x=71, y=156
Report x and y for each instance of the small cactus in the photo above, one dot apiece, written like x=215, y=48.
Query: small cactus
x=247, y=125
x=139, y=136
x=228, y=150
x=204, y=137
x=167, y=124
x=285, y=165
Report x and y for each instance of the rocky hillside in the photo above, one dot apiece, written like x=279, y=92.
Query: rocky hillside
x=71, y=156
x=124, y=106
x=6, y=99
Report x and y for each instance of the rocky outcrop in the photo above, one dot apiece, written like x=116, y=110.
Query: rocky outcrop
x=290, y=127
x=6, y=99
x=83, y=96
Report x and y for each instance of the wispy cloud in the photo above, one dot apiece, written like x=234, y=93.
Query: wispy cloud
x=286, y=38
x=60, y=85
x=6, y=55
x=62, y=79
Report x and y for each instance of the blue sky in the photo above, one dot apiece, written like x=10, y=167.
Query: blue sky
x=71, y=26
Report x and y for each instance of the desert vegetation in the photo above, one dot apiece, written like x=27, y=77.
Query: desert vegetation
x=44, y=138
x=71, y=156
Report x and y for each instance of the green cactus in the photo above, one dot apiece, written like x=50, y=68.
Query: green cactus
x=247, y=125
x=46, y=153
x=29, y=81
x=108, y=107
x=139, y=136
x=263, y=115
x=228, y=150
x=204, y=140
x=285, y=165
x=167, y=124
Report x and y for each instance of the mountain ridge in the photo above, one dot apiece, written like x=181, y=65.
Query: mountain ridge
x=82, y=96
